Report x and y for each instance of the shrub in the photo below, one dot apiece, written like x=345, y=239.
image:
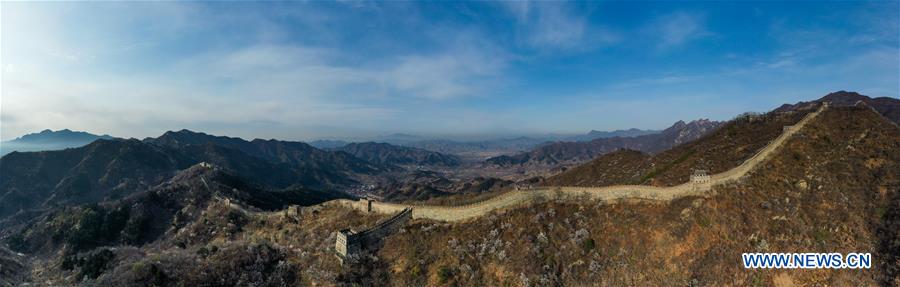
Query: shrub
x=96, y=263
x=588, y=244
x=17, y=242
x=444, y=273
x=91, y=265
x=96, y=227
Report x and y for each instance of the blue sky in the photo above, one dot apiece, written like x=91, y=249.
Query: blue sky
x=355, y=69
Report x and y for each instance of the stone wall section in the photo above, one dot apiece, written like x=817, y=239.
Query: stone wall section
x=607, y=193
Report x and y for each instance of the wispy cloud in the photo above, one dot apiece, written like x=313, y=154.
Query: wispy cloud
x=557, y=25
x=302, y=87
x=678, y=28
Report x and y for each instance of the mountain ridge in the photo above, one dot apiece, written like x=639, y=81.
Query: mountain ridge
x=561, y=152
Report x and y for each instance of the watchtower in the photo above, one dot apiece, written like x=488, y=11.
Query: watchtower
x=347, y=243
x=369, y=199
x=699, y=176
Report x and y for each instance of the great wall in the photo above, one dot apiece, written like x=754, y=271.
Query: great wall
x=700, y=184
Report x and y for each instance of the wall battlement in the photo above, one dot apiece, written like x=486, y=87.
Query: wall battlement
x=350, y=242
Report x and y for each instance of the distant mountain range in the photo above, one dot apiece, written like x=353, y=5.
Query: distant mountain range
x=487, y=146
x=49, y=140
x=328, y=144
x=561, y=152
x=592, y=135
x=449, y=146
x=389, y=154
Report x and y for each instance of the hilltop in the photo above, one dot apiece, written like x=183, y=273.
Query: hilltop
x=594, y=134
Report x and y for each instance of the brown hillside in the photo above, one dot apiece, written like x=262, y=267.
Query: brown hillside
x=832, y=188
x=716, y=152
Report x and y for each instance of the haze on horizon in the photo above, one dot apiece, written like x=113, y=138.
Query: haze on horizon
x=299, y=71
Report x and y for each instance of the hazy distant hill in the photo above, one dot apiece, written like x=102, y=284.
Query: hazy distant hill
x=560, y=152
x=389, y=154
x=482, y=147
x=592, y=135
x=505, y=145
x=49, y=140
x=327, y=144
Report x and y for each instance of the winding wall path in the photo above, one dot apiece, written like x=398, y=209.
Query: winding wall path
x=607, y=193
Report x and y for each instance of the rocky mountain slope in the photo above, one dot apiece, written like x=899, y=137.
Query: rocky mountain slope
x=49, y=140
x=388, y=154
x=566, y=152
x=12, y=269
